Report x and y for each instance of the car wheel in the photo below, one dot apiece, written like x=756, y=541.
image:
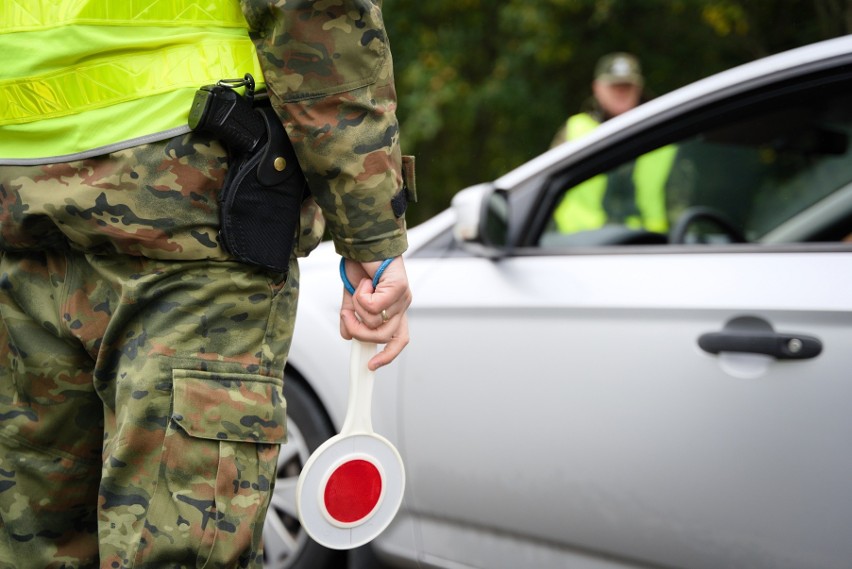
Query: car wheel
x=285, y=543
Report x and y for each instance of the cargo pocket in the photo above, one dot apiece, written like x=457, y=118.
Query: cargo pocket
x=235, y=407
x=218, y=467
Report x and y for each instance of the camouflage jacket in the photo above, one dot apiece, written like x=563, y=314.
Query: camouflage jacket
x=328, y=68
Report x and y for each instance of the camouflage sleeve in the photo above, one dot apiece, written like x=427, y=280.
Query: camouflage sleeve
x=328, y=68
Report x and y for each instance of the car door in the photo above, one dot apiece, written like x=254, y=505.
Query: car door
x=613, y=399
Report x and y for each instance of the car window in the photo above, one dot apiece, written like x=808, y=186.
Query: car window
x=745, y=173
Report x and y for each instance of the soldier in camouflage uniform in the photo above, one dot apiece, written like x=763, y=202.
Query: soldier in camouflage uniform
x=141, y=365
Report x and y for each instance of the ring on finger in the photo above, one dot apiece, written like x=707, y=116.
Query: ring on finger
x=385, y=316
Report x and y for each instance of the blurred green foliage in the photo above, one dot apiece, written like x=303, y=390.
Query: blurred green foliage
x=484, y=85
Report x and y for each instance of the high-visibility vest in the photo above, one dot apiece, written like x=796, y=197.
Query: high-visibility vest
x=86, y=77
x=582, y=208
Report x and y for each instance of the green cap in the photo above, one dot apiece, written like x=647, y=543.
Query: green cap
x=619, y=67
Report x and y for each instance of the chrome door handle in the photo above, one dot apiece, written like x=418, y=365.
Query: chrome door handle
x=779, y=345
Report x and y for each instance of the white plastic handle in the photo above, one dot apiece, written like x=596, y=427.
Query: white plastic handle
x=359, y=409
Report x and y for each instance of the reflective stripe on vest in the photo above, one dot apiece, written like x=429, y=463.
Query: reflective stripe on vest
x=41, y=14
x=582, y=207
x=110, y=74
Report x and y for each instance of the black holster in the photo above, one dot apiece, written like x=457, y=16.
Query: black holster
x=264, y=188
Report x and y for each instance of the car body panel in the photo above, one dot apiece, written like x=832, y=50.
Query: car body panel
x=628, y=413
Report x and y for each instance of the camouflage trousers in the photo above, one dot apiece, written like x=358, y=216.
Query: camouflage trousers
x=141, y=368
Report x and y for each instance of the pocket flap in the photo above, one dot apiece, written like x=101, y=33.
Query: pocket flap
x=230, y=406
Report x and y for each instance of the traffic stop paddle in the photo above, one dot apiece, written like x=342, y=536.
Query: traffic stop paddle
x=351, y=486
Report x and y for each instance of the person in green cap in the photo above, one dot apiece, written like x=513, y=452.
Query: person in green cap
x=632, y=194
x=617, y=87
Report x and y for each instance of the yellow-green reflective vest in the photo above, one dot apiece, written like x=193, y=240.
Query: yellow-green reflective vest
x=85, y=77
x=582, y=207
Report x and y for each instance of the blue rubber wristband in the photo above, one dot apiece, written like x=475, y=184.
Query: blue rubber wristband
x=351, y=289
x=380, y=271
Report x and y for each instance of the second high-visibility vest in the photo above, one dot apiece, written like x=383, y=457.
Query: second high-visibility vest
x=87, y=77
x=582, y=208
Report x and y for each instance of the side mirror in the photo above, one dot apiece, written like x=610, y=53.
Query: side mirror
x=482, y=217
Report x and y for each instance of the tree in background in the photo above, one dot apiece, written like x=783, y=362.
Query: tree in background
x=483, y=85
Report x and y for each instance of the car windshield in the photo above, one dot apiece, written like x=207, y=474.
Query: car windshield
x=755, y=170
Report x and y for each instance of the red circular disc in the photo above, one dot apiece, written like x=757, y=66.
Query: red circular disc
x=352, y=491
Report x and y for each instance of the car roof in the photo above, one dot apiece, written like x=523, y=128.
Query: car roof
x=722, y=84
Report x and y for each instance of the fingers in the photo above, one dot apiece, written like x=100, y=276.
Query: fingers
x=392, y=348
x=394, y=340
x=367, y=317
x=390, y=299
x=377, y=315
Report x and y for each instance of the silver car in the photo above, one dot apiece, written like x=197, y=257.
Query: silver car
x=621, y=397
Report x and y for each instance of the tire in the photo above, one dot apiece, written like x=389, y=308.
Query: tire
x=286, y=545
